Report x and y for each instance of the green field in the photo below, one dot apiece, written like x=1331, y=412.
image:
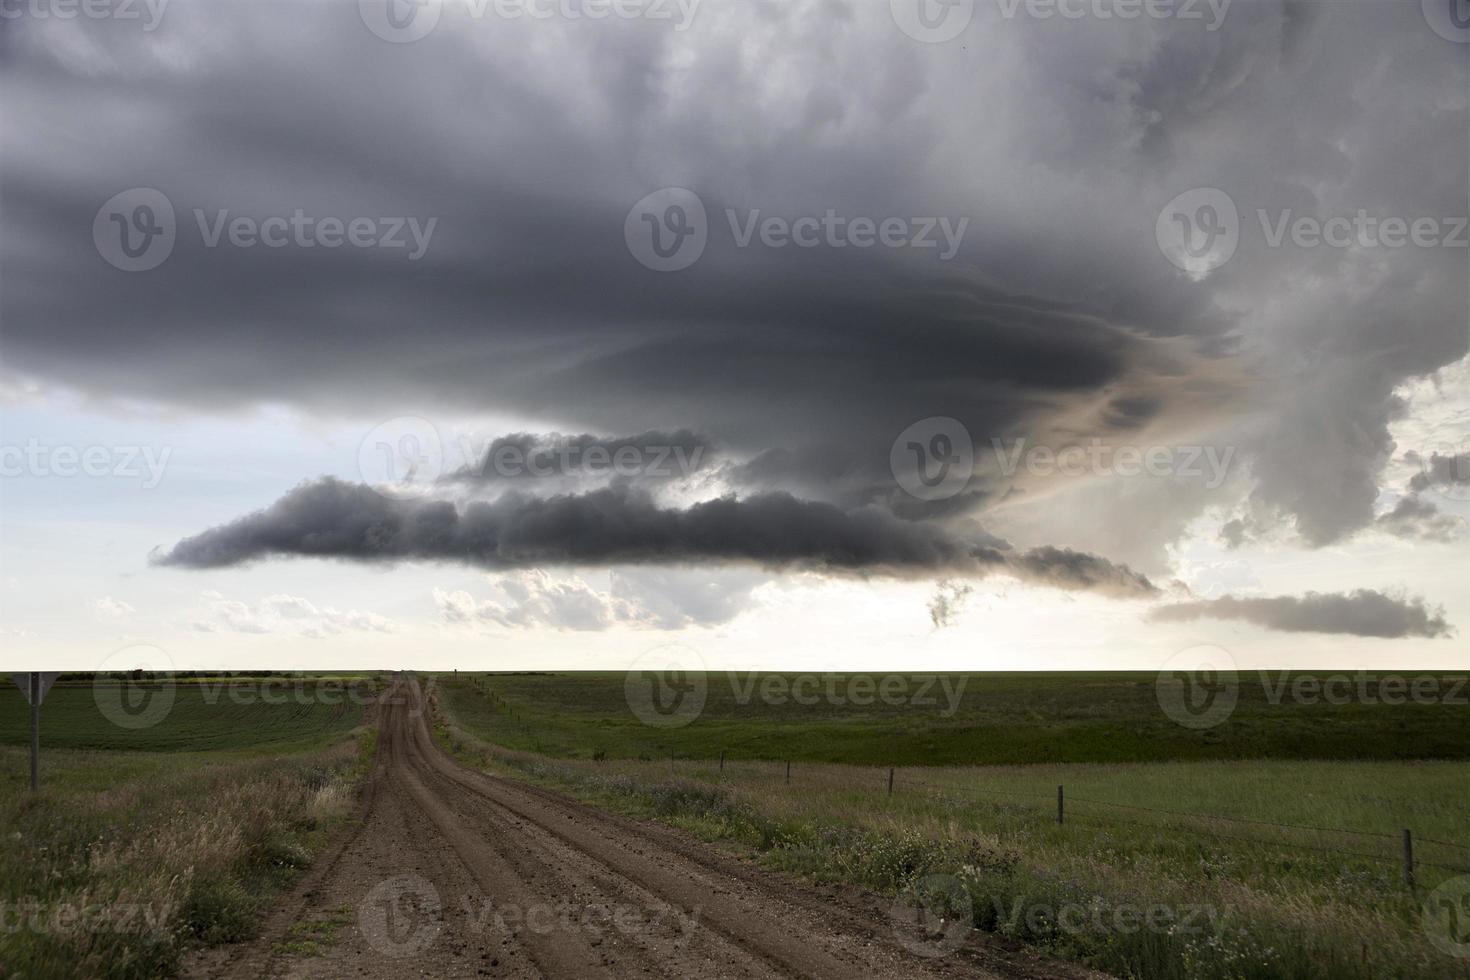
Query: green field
x=147, y=841
x=195, y=714
x=1281, y=828
x=1000, y=719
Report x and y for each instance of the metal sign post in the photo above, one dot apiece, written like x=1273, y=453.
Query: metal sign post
x=34, y=684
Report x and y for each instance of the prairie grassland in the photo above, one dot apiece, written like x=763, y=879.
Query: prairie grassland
x=967, y=719
x=126, y=859
x=189, y=714
x=1233, y=900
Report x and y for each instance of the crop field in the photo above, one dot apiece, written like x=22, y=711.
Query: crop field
x=957, y=719
x=1265, y=861
x=193, y=714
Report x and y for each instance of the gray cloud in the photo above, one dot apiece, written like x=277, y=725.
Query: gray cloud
x=333, y=519
x=1057, y=321
x=1418, y=519
x=1365, y=612
x=648, y=456
x=949, y=597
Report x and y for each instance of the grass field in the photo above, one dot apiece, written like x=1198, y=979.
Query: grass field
x=137, y=850
x=995, y=719
x=196, y=714
x=1263, y=867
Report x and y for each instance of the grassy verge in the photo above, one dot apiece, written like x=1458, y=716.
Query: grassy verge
x=126, y=859
x=1133, y=892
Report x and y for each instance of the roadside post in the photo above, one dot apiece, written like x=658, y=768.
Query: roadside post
x=34, y=684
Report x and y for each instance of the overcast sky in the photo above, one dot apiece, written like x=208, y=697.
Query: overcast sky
x=812, y=334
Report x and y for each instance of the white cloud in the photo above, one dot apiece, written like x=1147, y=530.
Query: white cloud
x=114, y=609
x=285, y=614
x=644, y=598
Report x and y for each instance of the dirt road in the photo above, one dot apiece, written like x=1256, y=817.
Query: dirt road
x=455, y=873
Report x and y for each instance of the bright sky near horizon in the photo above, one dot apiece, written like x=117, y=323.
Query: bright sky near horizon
x=1048, y=343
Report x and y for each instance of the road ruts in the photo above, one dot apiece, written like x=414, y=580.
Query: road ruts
x=456, y=873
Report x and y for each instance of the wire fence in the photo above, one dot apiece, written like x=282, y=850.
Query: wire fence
x=1063, y=809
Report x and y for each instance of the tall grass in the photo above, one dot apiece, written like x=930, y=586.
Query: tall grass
x=125, y=860
x=1232, y=909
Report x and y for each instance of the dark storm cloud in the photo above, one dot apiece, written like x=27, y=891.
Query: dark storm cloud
x=333, y=519
x=528, y=142
x=1365, y=612
x=533, y=456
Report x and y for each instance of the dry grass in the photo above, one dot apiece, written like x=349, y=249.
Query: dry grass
x=1299, y=905
x=126, y=859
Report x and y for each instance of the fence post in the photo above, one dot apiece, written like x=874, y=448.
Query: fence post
x=722, y=760
x=1060, y=807
x=34, y=683
x=1408, y=859
x=890, y=780
x=788, y=770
